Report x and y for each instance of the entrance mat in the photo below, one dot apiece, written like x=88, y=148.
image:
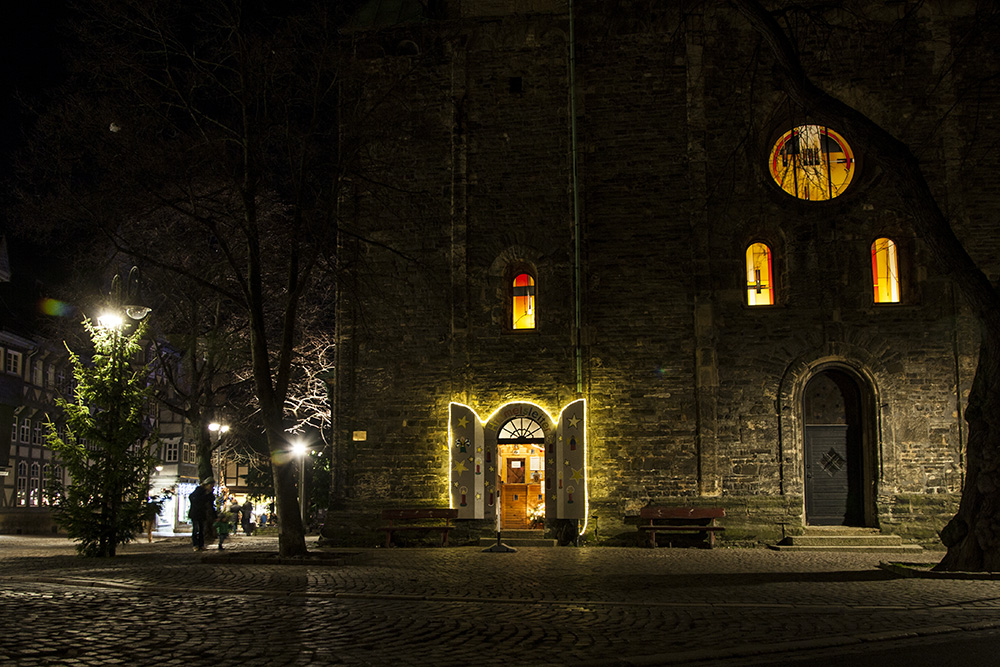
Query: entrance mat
x=272, y=558
x=923, y=571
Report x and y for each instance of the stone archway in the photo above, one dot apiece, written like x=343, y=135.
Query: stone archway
x=855, y=369
x=837, y=470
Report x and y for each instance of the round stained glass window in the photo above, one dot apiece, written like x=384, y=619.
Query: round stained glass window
x=812, y=162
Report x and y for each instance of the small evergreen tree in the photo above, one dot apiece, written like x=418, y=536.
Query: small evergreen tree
x=104, y=447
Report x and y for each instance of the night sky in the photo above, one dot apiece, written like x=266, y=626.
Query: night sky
x=30, y=67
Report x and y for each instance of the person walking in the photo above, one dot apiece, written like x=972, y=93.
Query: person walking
x=246, y=517
x=202, y=502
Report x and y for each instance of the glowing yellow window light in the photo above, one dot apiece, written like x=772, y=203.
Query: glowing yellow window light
x=760, y=283
x=885, y=271
x=812, y=162
x=524, y=302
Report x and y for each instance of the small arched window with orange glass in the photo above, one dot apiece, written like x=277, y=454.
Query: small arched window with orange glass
x=523, y=301
x=760, y=275
x=885, y=271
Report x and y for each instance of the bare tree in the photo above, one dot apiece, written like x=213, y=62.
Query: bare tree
x=203, y=139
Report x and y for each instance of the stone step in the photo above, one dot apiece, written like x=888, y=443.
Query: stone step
x=839, y=530
x=842, y=549
x=844, y=540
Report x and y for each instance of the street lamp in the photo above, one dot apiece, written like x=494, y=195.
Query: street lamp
x=219, y=429
x=299, y=450
x=215, y=433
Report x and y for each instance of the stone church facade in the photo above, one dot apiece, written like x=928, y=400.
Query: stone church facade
x=607, y=263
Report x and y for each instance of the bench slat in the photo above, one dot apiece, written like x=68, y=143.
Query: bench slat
x=681, y=520
x=421, y=513
x=681, y=513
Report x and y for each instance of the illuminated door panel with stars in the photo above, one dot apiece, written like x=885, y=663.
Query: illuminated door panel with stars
x=812, y=162
x=523, y=441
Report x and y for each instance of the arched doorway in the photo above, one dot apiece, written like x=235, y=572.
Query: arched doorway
x=521, y=473
x=839, y=470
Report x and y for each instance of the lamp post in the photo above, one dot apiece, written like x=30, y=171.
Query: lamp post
x=215, y=433
x=299, y=450
x=116, y=484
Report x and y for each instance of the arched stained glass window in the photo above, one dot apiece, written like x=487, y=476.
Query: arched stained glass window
x=760, y=277
x=885, y=271
x=812, y=162
x=523, y=302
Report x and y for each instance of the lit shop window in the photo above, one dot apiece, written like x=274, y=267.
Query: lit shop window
x=760, y=281
x=812, y=162
x=524, y=302
x=885, y=271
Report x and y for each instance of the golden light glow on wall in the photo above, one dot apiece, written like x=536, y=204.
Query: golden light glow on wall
x=885, y=271
x=760, y=281
x=812, y=162
x=523, y=306
x=472, y=440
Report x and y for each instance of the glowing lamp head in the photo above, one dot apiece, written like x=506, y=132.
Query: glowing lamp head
x=299, y=448
x=220, y=428
x=110, y=321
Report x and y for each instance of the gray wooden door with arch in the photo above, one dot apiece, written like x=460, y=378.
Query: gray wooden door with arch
x=833, y=450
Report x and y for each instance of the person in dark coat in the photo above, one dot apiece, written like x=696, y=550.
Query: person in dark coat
x=201, y=512
x=246, y=517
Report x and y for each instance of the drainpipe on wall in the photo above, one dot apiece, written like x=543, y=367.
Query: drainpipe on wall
x=577, y=279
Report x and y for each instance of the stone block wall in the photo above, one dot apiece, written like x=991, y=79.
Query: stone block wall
x=691, y=393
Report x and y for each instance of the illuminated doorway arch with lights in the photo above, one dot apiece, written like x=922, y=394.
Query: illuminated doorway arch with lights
x=520, y=466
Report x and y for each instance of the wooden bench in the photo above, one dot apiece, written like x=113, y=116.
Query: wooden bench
x=418, y=519
x=653, y=520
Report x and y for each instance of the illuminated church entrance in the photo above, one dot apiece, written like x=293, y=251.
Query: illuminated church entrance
x=520, y=467
x=521, y=474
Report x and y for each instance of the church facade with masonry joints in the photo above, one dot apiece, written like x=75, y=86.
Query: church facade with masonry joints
x=615, y=266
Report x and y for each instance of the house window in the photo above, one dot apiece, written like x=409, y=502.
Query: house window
x=22, y=484
x=36, y=434
x=37, y=374
x=812, y=162
x=25, y=430
x=760, y=277
x=170, y=452
x=46, y=474
x=34, y=496
x=13, y=362
x=885, y=271
x=523, y=301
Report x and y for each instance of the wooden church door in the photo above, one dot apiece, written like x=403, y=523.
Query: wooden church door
x=834, y=479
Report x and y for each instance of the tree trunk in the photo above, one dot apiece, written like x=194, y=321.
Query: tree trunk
x=203, y=455
x=973, y=535
x=291, y=533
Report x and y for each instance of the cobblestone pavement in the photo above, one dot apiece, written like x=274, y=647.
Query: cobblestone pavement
x=160, y=604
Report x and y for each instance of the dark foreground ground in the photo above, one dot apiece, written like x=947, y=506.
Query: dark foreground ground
x=159, y=604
